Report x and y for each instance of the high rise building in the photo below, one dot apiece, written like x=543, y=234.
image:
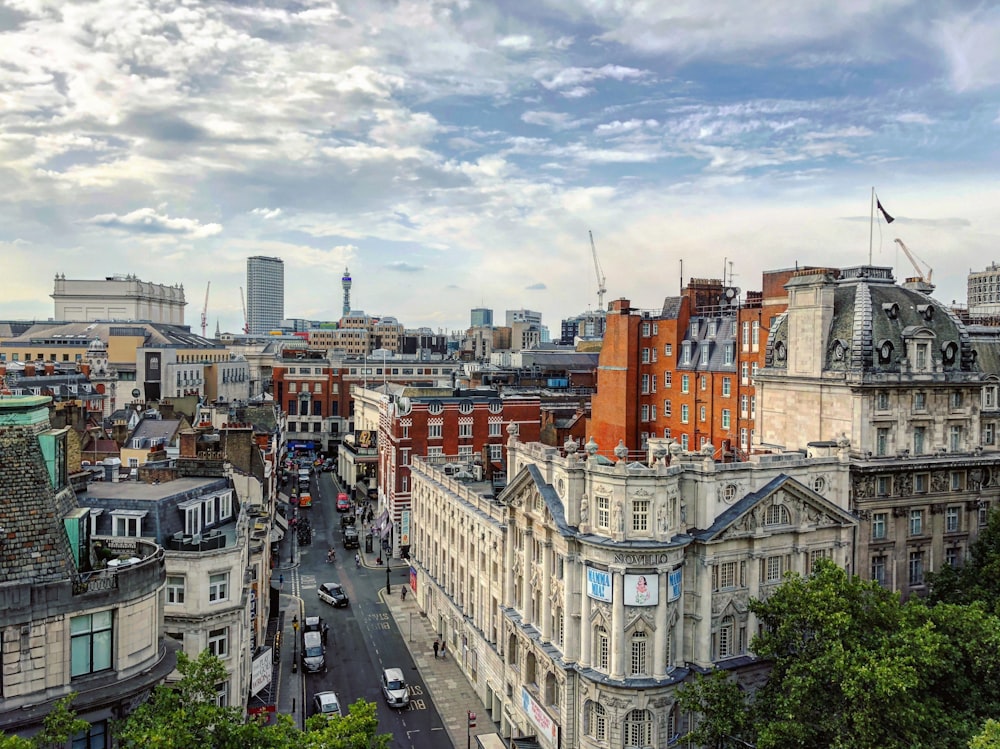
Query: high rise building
x=481, y=317
x=265, y=293
x=346, y=283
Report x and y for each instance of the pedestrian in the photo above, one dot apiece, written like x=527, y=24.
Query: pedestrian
x=437, y=646
x=444, y=649
x=324, y=632
x=281, y=580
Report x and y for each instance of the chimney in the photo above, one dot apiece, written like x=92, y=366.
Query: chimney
x=50, y=368
x=29, y=370
x=84, y=369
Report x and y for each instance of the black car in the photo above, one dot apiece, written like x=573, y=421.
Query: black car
x=333, y=594
x=351, y=539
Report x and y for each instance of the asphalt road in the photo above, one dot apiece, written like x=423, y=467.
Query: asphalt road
x=363, y=637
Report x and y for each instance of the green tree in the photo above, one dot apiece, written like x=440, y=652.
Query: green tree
x=848, y=666
x=978, y=579
x=59, y=726
x=723, y=710
x=988, y=738
x=356, y=730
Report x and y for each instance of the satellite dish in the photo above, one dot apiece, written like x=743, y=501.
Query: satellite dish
x=136, y=392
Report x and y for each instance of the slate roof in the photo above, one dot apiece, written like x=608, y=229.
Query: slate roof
x=160, y=431
x=725, y=335
x=154, y=334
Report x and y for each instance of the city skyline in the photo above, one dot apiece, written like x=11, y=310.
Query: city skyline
x=455, y=155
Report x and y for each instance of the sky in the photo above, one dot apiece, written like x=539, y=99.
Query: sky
x=456, y=154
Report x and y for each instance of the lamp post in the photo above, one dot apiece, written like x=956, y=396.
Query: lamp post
x=388, y=584
x=295, y=643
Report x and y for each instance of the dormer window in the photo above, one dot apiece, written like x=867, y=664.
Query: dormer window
x=694, y=328
x=921, y=359
x=779, y=351
x=711, y=328
x=891, y=310
x=926, y=311
x=949, y=351
x=884, y=351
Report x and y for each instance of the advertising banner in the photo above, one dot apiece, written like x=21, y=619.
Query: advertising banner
x=599, y=584
x=642, y=590
x=404, y=531
x=541, y=720
x=260, y=675
x=674, y=580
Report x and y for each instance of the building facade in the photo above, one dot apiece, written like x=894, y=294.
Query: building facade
x=265, y=294
x=121, y=298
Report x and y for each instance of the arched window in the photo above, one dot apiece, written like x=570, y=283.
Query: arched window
x=551, y=689
x=602, y=648
x=724, y=637
x=595, y=721
x=637, y=664
x=776, y=515
x=530, y=669
x=638, y=729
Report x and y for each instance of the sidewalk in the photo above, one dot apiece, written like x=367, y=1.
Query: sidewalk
x=451, y=692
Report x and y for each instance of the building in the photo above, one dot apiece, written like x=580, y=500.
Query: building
x=579, y=600
x=265, y=294
x=345, y=283
x=122, y=298
x=310, y=391
x=523, y=316
x=587, y=326
x=481, y=317
x=984, y=292
x=78, y=612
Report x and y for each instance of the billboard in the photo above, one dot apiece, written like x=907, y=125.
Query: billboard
x=674, y=580
x=404, y=528
x=642, y=590
x=599, y=584
x=366, y=438
x=260, y=675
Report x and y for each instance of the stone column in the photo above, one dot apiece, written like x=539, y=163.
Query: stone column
x=586, y=627
x=508, y=587
x=753, y=585
x=617, y=633
x=661, y=634
x=702, y=638
x=546, y=612
x=525, y=602
x=571, y=613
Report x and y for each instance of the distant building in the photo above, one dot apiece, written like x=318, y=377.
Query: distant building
x=345, y=282
x=525, y=316
x=120, y=298
x=265, y=293
x=588, y=326
x=984, y=292
x=481, y=317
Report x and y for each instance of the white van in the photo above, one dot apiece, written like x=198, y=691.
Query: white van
x=313, y=653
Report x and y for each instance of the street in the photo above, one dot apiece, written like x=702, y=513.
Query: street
x=363, y=638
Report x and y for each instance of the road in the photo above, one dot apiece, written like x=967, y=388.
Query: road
x=363, y=637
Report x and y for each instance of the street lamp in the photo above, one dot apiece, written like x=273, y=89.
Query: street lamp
x=388, y=584
x=295, y=643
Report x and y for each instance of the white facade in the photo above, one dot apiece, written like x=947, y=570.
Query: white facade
x=117, y=298
x=579, y=602
x=265, y=293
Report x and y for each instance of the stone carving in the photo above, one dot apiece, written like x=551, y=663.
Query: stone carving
x=904, y=484
x=661, y=519
x=939, y=481
x=619, y=518
x=584, y=509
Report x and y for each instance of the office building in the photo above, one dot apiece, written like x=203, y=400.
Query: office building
x=265, y=293
x=481, y=317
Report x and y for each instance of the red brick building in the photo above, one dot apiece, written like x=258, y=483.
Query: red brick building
x=312, y=394
x=468, y=428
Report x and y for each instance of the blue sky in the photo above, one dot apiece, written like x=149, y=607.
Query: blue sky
x=455, y=154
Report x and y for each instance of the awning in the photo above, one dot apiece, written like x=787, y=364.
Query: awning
x=281, y=522
x=276, y=535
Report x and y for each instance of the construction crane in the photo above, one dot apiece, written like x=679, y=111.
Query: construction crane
x=204, y=312
x=246, y=323
x=601, y=287
x=921, y=277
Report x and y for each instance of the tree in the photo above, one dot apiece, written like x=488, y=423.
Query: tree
x=724, y=712
x=59, y=726
x=356, y=730
x=988, y=738
x=978, y=579
x=847, y=665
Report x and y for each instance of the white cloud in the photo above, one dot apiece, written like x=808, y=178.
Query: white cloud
x=148, y=221
x=518, y=42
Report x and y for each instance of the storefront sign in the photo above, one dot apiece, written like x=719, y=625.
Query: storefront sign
x=260, y=675
x=642, y=590
x=545, y=725
x=599, y=584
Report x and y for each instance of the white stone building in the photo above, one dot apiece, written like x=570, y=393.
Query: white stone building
x=122, y=297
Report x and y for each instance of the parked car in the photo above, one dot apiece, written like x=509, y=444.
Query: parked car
x=327, y=703
x=313, y=624
x=313, y=652
x=333, y=594
x=351, y=538
x=343, y=502
x=394, y=687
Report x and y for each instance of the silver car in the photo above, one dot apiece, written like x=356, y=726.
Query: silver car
x=327, y=703
x=397, y=694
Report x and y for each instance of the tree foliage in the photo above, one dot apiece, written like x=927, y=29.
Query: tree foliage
x=724, y=710
x=978, y=579
x=988, y=738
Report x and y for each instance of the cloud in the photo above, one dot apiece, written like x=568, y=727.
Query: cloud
x=554, y=120
x=401, y=266
x=575, y=77
x=518, y=42
x=536, y=287
x=266, y=212
x=148, y=221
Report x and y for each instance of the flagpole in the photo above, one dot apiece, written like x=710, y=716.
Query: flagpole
x=871, y=226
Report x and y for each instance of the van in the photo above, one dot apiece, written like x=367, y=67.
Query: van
x=313, y=653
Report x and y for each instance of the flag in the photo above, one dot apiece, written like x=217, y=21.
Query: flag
x=888, y=219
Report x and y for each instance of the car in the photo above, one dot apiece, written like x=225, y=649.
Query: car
x=313, y=624
x=343, y=502
x=313, y=652
x=333, y=594
x=351, y=538
x=327, y=703
x=394, y=687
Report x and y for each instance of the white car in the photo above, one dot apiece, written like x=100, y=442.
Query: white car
x=397, y=694
x=327, y=703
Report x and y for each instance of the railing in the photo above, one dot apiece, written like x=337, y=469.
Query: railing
x=115, y=576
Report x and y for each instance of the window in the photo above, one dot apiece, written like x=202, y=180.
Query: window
x=175, y=589
x=878, y=570
x=883, y=486
x=218, y=587
x=465, y=430
x=776, y=515
x=645, y=329
x=702, y=413
x=743, y=439
x=755, y=333
x=729, y=350
x=652, y=412
x=225, y=506
x=603, y=644
x=645, y=413
x=882, y=401
x=603, y=512
x=956, y=399
x=713, y=326
x=684, y=413
x=920, y=401
x=668, y=379
x=724, y=647
x=951, y=519
x=686, y=352
x=745, y=373
x=920, y=482
x=652, y=383
x=465, y=451
x=746, y=334
x=725, y=418
x=952, y=557
x=955, y=438
x=95, y=736
x=638, y=728
x=744, y=403
x=668, y=349
x=667, y=410
x=725, y=575
x=990, y=396
x=218, y=642
x=406, y=431
x=640, y=515
x=989, y=433
x=957, y=481
x=127, y=522
x=645, y=383
x=666, y=433
x=916, y=522
x=637, y=664
x=921, y=358
x=753, y=369
x=645, y=356
x=435, y=452
x=496, y=452
x=814, y=556
x=597, y=721
x=753, y=406
x=704, y=382
x=773, y=569
x=434, y=431
x=684, y=442
x=90, y=643
x=496, y=429
x=882, y=441
x=984, y=515
x=919, y=440
x=916, y=568
x=685, y=383
x=878, y=526
x=727, y=387
x=705, y=348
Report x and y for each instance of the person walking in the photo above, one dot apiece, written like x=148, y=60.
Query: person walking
x=324, y=632
x=437, y=646
x=444, y=649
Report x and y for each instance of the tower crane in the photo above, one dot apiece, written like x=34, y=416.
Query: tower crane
x=601, y=287
x=204, y=312
x=922, y=277
x=246, y=323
